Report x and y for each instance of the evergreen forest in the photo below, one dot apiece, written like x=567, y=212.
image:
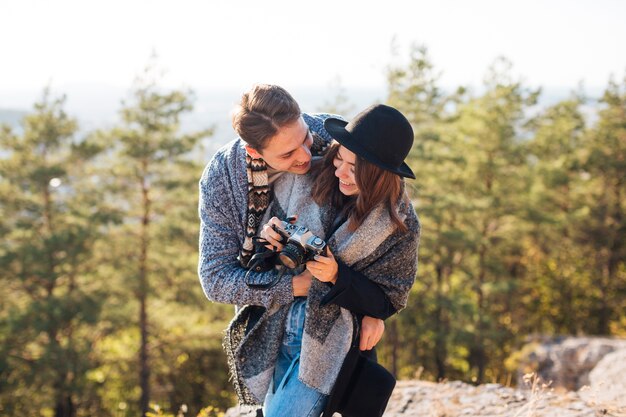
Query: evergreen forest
x=523, y=211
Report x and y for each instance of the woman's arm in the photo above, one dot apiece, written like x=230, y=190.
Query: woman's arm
x=350, y=289
x=354, y=291
x=382, y=288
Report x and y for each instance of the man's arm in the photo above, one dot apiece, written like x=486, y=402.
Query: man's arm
x=315, y=121
x=221, y=275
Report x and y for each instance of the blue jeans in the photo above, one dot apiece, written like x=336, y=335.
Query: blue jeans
x=287, y=396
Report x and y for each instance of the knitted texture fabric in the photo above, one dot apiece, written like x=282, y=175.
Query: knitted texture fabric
x=377, y=249
x=259, y=195
x=223, y=211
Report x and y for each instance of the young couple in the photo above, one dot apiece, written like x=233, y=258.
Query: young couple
x=344, y=182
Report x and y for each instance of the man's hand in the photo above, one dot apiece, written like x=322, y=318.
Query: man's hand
x=301, y=284
x=271, y=235
x=371, y=332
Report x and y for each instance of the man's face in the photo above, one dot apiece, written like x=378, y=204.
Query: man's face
x=289, y=149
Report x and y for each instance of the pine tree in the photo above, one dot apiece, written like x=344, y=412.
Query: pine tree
x=603, y=232
x=152, y=170
x=495, y=183
x=51, y=305
x=413, y=89
x=556, y=288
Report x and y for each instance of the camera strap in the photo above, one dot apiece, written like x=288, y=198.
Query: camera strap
x=259, y=263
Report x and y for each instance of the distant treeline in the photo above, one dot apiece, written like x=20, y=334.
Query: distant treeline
x=11, y=117
x=102, y=314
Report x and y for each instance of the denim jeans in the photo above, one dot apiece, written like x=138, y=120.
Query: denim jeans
x=287, y=396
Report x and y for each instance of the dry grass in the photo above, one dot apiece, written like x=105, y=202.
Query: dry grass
x=538, y=391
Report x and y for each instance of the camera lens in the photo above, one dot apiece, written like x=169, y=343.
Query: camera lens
x=291, y=256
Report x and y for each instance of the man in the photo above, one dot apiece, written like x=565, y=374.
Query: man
x=235, y=191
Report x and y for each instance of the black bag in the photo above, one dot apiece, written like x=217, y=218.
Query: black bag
x=363, y=387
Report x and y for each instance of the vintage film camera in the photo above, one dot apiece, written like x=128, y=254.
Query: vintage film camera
x=300, y=245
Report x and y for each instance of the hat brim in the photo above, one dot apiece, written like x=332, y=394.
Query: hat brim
x=337, y=129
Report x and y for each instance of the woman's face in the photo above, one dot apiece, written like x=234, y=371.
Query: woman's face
x=344, y=170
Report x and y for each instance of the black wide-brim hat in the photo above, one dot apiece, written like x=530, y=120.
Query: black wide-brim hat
x=379, y=134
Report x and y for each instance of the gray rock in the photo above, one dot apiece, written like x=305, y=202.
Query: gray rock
x=566, y=361
x=456, y=399
x=607, y=382
x=241, y=411
x=420, y=398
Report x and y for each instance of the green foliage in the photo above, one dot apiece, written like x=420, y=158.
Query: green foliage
x=151, y=171
x=92, y=229
x=602, y=234
x=50, y=317
x=521, y=216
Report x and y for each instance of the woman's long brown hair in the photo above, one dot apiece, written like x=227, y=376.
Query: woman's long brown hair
x=375, y=184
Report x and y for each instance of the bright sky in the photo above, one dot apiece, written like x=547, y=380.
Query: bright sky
x=235, y=43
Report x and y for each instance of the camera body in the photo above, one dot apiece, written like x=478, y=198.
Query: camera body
x=300, y=245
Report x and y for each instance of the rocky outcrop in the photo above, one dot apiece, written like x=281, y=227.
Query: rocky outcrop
x=566, y=361
x=456, y=399
x=241, y=411
x=588, y=379
x=428, y=399
x=607, y=381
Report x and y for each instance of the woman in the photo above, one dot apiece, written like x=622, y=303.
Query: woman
x=372, y=232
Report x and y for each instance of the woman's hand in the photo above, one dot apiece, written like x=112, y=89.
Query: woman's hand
x=272, y=236
x=371, y=332
x=324, y=268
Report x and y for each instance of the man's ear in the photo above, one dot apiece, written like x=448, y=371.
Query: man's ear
x=253, y=152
